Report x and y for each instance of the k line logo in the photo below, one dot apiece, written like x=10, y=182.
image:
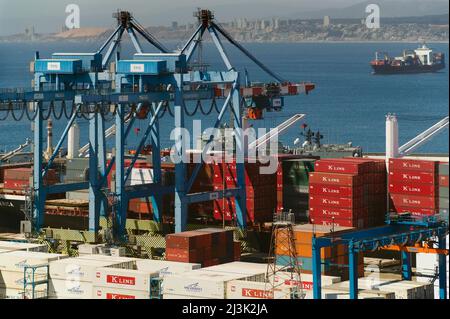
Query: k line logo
x=121, y=280
x=256, y=293
x=118, y=296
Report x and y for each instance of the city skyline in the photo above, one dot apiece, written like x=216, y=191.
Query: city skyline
x=16, y=16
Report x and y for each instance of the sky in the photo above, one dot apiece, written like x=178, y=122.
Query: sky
x=49, y=15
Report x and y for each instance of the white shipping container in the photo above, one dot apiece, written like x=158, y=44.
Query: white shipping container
x=15, y=279
x=114, y=293
x=242, y=289
x=200, y=283
x=2, y=251
x=289, y=279
x=402, y=291
x=70, y=289
x=328, y=293
x=164, y=268
x=239, y=266
x=18, y=260
x=117, y=260
x=140, y=176
x=179, y=297
x=89, y=249
x=251, y=271
x=118, y=252
x=10, y=245
x=123, y=279
x=9, y=293
x=81, y=269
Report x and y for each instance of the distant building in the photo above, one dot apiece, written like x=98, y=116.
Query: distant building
x=326, y=21
x=30, y=33
x=174, y=25
x=276, y=23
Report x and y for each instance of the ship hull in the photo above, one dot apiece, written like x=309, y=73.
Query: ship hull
x=389, y=69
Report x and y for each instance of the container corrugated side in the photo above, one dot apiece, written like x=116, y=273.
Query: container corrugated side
x=69, y=289
x=23, y=246
x=17, y=260
x=15, y=279
x=124, y=279
x=180, y=297
x=115, y=259
x=82, y=269
x=199, y=283
x=114, y=293
x=244, y=289
x=10, y=293
x=402, y=289
x=165, y=268
x=329, y=293
x=289, y=279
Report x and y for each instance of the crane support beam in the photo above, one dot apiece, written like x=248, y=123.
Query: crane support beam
x=247, y=53
x=275, y=132
x=375, y=238
x=423, y=137
x=422, y=250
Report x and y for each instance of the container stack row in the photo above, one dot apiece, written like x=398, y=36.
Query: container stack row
x=348, y=192
x=18, y=179
x=334, y=260
x=414, y=187
x=261, y=192
x=207, y=247
x=443, y=189
x=293, y=186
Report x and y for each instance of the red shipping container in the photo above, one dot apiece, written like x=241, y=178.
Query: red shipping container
x=188, y=240
x=340, y=213
x=412, y=176
x=416, y=211
x=183, y=255
x=443, y=181
x=413, y=201
x=413, y=189
x=332, y=190
x=399, y=164
x=335, y=179
x=340, y=202
x=357, y=223
x=236, y=251
x=337, y=166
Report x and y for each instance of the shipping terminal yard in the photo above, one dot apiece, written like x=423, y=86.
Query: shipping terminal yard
x=327, y=221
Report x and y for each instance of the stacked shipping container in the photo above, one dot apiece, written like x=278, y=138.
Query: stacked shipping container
x=443, y=189
x=334, y=259
x=261, y=192
x=293, y=186
x=18, y=179
x=348, y=192
x=207, y=246
x=414, y=186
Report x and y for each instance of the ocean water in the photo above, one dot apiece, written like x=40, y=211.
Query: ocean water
x=349, y=104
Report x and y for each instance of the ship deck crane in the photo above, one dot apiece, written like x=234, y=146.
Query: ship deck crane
x=11, y=154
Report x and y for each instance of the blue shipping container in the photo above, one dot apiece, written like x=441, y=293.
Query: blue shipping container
x=141, y=67
x=176, y=63
x=90, y=61
x=60, y=66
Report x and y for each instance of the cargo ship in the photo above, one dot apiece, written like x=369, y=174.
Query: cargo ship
x=420, y=60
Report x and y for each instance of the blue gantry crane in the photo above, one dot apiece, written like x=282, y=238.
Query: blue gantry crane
x=92, y=86
x=402, y=231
